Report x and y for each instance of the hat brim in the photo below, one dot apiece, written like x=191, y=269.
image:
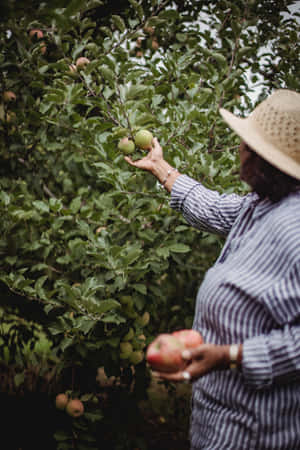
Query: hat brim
x=249, y=132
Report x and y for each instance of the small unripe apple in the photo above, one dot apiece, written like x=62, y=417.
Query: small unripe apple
x=143, y=139
x=149, y=30
x=73, y=68
x=11, y=117
x=144, y=319
x=126, y=146
x=82, y=62
x=36, y=33
x=126, y=300
x=139, y=342
x=125, y=350
x=128, y=336
x=75, y=408
x=136, y=357
x=61, y=401
x=43, y=47
x=154, y=44
x=9, y=96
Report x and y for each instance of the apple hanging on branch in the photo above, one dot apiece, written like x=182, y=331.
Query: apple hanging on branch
x=82, y=62
x=75, y=408
x=126, y=146
x=9, y=96
x=61, y=401
x=36, y=33
x=143, y=139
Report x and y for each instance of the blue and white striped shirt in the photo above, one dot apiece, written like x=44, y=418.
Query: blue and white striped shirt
x=251, y=296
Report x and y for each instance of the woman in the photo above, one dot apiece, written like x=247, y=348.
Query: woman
x=246, y=390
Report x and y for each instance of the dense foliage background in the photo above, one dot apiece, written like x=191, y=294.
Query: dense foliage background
x=94, y=263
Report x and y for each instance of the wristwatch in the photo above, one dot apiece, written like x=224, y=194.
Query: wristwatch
x=233, y=356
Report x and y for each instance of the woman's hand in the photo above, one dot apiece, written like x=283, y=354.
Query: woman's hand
x=154, y=162
x=151, y=160
x=200, y=361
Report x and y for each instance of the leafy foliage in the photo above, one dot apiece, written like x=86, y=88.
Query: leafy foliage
x=82, y=233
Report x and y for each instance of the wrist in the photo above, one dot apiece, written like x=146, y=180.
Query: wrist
x=160, y=168
x=165, y=173
x=230, y=356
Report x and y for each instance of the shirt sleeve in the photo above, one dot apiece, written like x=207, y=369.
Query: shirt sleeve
x=203, y=208
x=275, y=357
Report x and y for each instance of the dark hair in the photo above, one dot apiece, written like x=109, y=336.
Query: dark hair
x=265, y=179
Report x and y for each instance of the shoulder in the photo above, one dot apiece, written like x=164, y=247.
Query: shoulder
x=284, y=224
x=288, y=209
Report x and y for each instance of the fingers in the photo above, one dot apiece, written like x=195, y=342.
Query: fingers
x=174, y=376
x=197, y=352
x=129, y=160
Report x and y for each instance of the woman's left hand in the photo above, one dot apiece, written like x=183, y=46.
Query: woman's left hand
x=200, y=360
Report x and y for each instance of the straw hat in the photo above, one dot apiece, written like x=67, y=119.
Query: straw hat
x=273, y=130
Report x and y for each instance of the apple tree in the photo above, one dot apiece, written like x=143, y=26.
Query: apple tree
x=94, y=262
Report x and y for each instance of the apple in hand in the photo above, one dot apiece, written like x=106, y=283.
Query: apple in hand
x=126, y=146
x=164, y=353
x=143, y=139
x=190, y=338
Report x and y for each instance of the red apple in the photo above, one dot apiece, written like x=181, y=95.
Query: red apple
x=61, y=401
x=9, y=96
x=82, y=62
x=189, y=338
x=43, y=48
x=73, y=68
x=35, y=32
x=75, y=408
x=164, y=353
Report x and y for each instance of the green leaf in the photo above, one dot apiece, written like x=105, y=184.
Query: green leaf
x=107, y=73
x=179, y=248
x=106, y=305
x=5, y=198
x=75, y=205
x=219, y=58
x=141, y=288
x=19, y=379
x=118, y=22
x=163, y=252
x=138, y=8
x=41, y=206
x=73, y=7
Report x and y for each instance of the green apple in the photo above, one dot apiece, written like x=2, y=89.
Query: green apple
x=125, y=350
x=136, y=357
x=144, y=319
x=139, y=342
x=126, y=146
x=143, y=139
x=128, y=336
